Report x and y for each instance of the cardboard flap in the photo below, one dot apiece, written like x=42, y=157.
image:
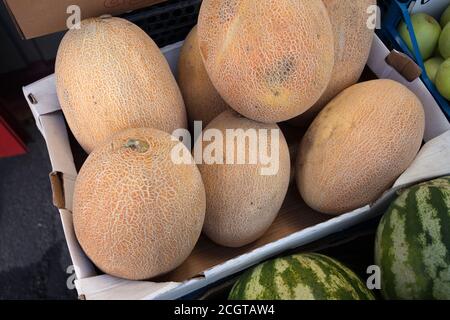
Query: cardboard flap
x=404, y=65
x=42, y=98
x=43, y=101
x=62, y=189
x=433, y=161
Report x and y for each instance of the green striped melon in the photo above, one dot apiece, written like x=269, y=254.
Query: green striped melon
x=300, y=277
x=412, y=245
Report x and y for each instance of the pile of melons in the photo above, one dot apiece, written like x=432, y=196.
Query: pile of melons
x=247, y=65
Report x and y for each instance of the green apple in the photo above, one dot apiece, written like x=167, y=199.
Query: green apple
x=437, y=53
x=431, y=67
x=445, y=18
x=427, y=31
x=444, y=42
x=443, y=79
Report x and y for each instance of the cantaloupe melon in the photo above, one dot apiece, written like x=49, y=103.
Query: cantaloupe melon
x=241, y=202
x=270, y=60
x=203, y=102
x=352, y=42
x=111, y=76
x=136, y=214
x=358, y=145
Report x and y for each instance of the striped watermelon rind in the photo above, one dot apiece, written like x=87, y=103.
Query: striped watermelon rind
x=412, y=245
x=300, y=277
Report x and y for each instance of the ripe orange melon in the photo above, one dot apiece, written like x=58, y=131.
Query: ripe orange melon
x=241, y=203
x=270, y=60
x=352, y=42
x=359, y=145
x=136, y=214
x=203, y=102
x=111, y=76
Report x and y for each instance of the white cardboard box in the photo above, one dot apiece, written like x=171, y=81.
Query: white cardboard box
x=433, y=161
x=432, y=7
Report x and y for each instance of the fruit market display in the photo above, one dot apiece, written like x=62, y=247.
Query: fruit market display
x=138, y=211
x=433, y=39
x=300, y=277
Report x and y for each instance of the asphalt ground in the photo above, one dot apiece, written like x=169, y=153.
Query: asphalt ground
x=33, y=254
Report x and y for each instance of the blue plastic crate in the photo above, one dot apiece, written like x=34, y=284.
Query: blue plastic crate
x=392, y=13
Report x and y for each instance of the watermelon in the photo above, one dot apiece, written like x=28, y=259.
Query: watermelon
x=412, y=246
x=300, y=277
